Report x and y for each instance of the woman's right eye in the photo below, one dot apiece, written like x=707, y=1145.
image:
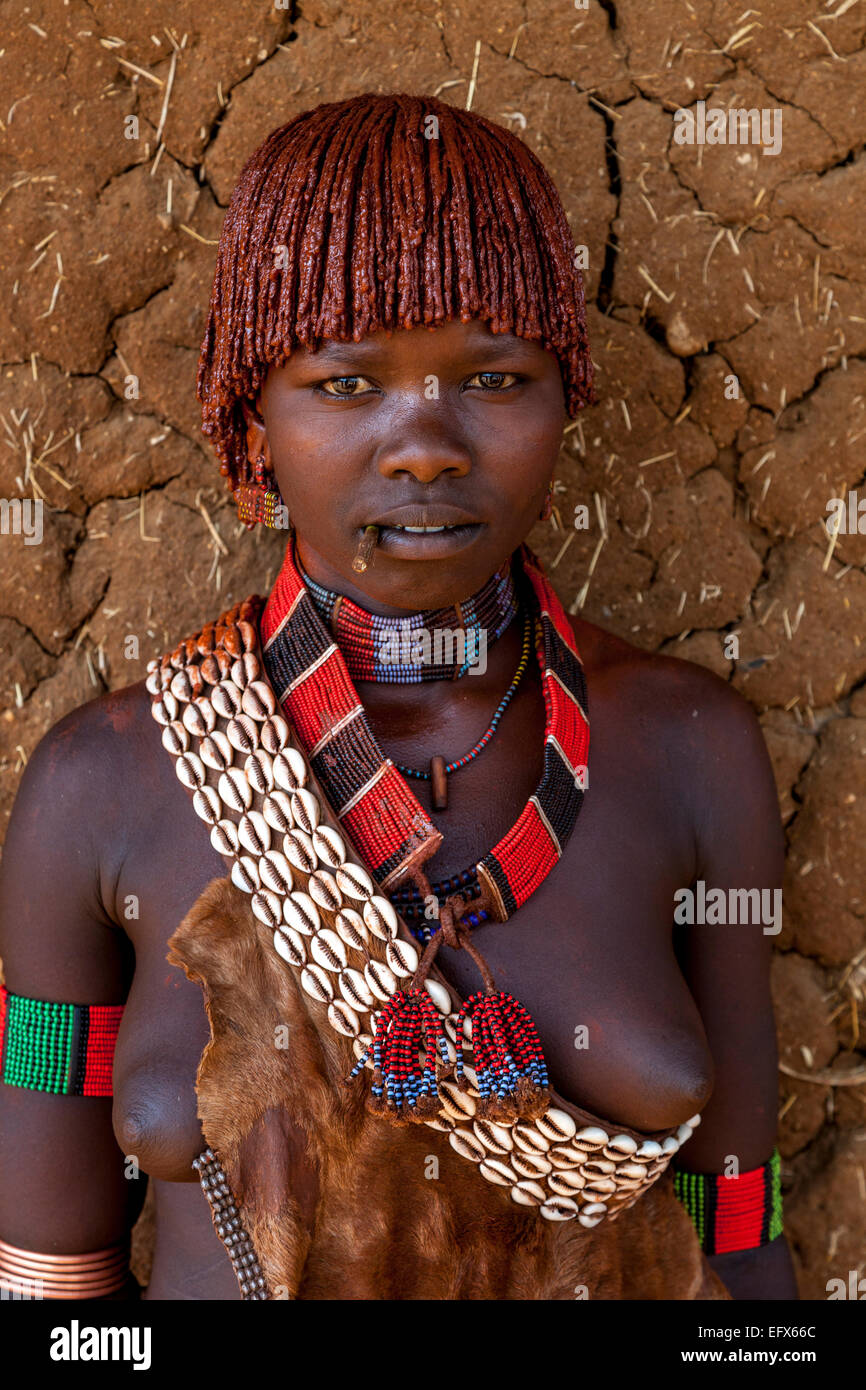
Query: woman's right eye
x=337, y=381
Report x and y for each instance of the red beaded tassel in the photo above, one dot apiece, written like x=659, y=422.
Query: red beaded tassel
x=506, y=1050
x=506, y=1057
x=408, y=1050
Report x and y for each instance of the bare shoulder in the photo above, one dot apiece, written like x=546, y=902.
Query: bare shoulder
x=692, y=733
x=78, y=808
x=91, y=746
x=698, y=715
x=81, y=790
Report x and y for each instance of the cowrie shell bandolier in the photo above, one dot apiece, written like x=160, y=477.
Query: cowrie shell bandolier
x=327, y=950
x=259, y=769
x=458, y=1105
x=290, y=771
x=324, y=891
x=314, y=979
x=355, y=882
x=216, y=751
x=277, y=811
x=175, y=738
x=305, y=810
x=275, y=872
x=322, y=916
x=353, y=929
x=299, y=851
x=301, y=913
x=224, y=838
x=532, y=1166
x=380, y=918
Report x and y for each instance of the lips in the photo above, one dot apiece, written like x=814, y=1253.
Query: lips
x=408, y=534
x=422, y=520
x=424, y=530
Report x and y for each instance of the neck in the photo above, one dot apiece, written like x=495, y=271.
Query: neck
x=313, y=565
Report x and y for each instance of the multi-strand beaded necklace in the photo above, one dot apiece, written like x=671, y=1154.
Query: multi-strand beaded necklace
x=312, y=675
x=395, y=836
x=420, y=646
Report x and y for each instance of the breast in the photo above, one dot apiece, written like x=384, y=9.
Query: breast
x=655, y=1080
x=619, y=1028
x=160, y=1043
x=155, y=1122
x=168, y=863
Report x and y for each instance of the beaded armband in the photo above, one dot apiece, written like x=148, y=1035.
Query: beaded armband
x=738, y=1213
x=67, y=1049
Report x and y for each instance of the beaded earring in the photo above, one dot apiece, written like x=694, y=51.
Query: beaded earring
x=258, y=501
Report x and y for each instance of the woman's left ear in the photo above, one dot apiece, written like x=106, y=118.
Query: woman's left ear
x=259, y=500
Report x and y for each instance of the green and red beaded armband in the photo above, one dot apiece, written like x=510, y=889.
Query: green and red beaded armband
x=67, y=1049
x=733, y=1213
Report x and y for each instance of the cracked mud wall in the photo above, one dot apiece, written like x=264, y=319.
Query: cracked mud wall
x=705, y=508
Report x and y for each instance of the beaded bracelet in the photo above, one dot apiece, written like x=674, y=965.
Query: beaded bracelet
x=733, y=1213
x=66, y=1049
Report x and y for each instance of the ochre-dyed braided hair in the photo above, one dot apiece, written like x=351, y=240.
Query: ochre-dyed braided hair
x=382, y=227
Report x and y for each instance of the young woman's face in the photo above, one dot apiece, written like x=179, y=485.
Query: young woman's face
x=454, y=426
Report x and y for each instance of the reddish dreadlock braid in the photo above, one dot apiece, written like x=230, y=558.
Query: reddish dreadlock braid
x=384, y=228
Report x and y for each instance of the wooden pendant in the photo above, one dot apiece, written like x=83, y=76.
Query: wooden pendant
x=439, y=782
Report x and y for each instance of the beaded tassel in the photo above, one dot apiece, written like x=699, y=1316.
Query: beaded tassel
x=402, y=1089
x=507, y=1058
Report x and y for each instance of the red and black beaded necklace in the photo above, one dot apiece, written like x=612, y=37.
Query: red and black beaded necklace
x=372, y=800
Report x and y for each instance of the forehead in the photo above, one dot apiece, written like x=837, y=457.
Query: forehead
x=452, y=339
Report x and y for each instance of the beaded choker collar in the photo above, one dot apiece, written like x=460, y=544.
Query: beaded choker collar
x=373, y=802
x=435, y=644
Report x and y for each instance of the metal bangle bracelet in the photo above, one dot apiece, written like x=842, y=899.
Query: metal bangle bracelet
x=91, y=1274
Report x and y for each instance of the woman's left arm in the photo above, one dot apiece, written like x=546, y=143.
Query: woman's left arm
x=739, y=844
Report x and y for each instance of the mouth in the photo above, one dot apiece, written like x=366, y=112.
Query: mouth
x=423, y=530
x=422, y=533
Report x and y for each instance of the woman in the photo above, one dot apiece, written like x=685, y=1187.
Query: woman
x=396, y=340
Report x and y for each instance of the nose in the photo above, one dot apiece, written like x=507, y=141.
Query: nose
x=423, y=450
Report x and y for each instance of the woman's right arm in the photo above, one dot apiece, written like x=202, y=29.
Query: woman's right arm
x=62, y=1183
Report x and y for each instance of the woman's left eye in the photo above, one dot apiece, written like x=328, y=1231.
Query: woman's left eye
x=342, y=380
x=495, y=381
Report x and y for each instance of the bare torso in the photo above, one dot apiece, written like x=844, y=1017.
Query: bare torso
x=592, y=948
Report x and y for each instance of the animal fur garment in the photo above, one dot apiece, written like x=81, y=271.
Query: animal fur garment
x=342, y=1205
